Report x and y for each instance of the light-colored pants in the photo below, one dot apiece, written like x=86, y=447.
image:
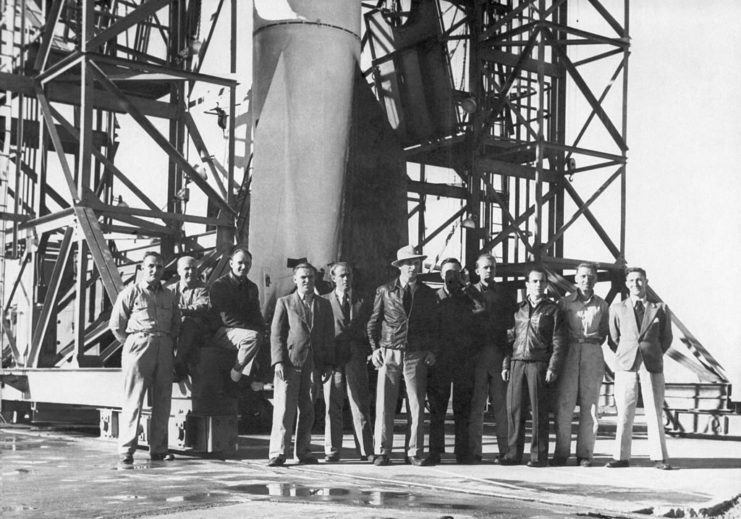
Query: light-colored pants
x=351, y=380
x=246, y=342
x=581, y=377
x=146, y=364
x=398, y=363
x=296, y=393
x=488, y=384
x=626, y=398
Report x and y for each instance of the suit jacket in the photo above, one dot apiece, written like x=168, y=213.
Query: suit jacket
x=292, y=337
x=653, y=338
x=349, y=337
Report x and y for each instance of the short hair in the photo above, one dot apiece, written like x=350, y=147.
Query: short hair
x=454, y=261
x=305, y=265
x=630, y=270
x=340, y=264
x=243, y=250
x=587, y=265
x=153, y=254
x=536, y=269
x=487, y=256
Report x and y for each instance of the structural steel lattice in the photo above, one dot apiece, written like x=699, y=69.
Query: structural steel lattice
x=69, y=71
x=486, y=89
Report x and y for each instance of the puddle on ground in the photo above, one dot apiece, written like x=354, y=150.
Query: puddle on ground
x=347, y=495
x=24, y=443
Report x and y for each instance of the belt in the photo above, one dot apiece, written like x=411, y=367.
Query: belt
x=151, y=334
x=586, y=341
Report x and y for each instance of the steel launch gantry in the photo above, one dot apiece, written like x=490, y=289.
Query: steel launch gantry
x=512, y=115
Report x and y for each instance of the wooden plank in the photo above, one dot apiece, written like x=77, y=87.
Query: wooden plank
x=48, y=310
x=172, y=152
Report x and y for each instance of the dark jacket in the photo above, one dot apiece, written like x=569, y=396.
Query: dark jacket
x=349, y=338
x=390, y=327
x=236, y=303
x=293, y=338
x=540, y=335
x=496, y=317
x=456, y=327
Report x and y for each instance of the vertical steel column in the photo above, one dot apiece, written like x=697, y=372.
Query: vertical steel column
x=475, y=138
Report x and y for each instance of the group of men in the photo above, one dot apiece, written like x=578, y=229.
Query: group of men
x=537, y=356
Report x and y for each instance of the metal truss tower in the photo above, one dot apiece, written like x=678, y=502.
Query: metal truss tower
x=513, y=118
x=77, y=217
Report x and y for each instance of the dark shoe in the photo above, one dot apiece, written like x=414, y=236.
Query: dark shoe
x=332, y=458
x=417, y=461
x=584, y=462
x=126, y=461
x=381, y=460
x=617, y=464
x=308, y=460
x=164, y=456
x=508, y=461
x=537, y=464
x=557, y=462
x=365, y=458
x=662, y=465
x=277, y=461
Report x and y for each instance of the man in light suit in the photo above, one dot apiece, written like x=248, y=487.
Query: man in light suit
x=350, y=375
x=301, y=347
x=640, y=334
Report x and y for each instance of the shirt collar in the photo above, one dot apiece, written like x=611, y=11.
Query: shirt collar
x=634, y=300
x=155, y=286
x=339, y=295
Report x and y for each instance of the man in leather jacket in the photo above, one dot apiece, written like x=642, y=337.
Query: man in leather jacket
x=402, y=330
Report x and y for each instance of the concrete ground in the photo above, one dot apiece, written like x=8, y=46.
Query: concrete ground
x=63, y=472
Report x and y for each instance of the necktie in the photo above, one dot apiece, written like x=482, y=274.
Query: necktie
x=639, y=311
x=307, y=307
x=346, y=308
x=407, y=299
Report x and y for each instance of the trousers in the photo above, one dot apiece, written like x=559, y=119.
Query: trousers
x=527, y=379
x=147, y=366
x=350, y=380
x=488, y=385
x=247, y=343
x=410, y=366
x=579, y=382
x=626, y=399
x=444, y=374
x=296, y=394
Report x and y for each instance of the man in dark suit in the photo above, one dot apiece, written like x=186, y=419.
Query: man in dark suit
x=640, y=334
x=301, y=347
x=350, y=375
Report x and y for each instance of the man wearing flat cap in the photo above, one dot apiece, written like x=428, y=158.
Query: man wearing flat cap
x=402, y=330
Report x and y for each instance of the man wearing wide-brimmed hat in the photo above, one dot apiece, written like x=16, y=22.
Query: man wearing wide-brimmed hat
x=402, y=330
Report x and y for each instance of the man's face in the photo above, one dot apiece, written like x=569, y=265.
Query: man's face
x=342, y=278
x=486, y=269
x=187, y=271
x=585, y=279
x=451, y=275
x=536, y=284
x=240, y=264
x=637, y=284
x=152, y=269
x=409, y=269
x=304, y=279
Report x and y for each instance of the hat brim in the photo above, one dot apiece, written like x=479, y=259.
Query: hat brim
x=397, y=262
